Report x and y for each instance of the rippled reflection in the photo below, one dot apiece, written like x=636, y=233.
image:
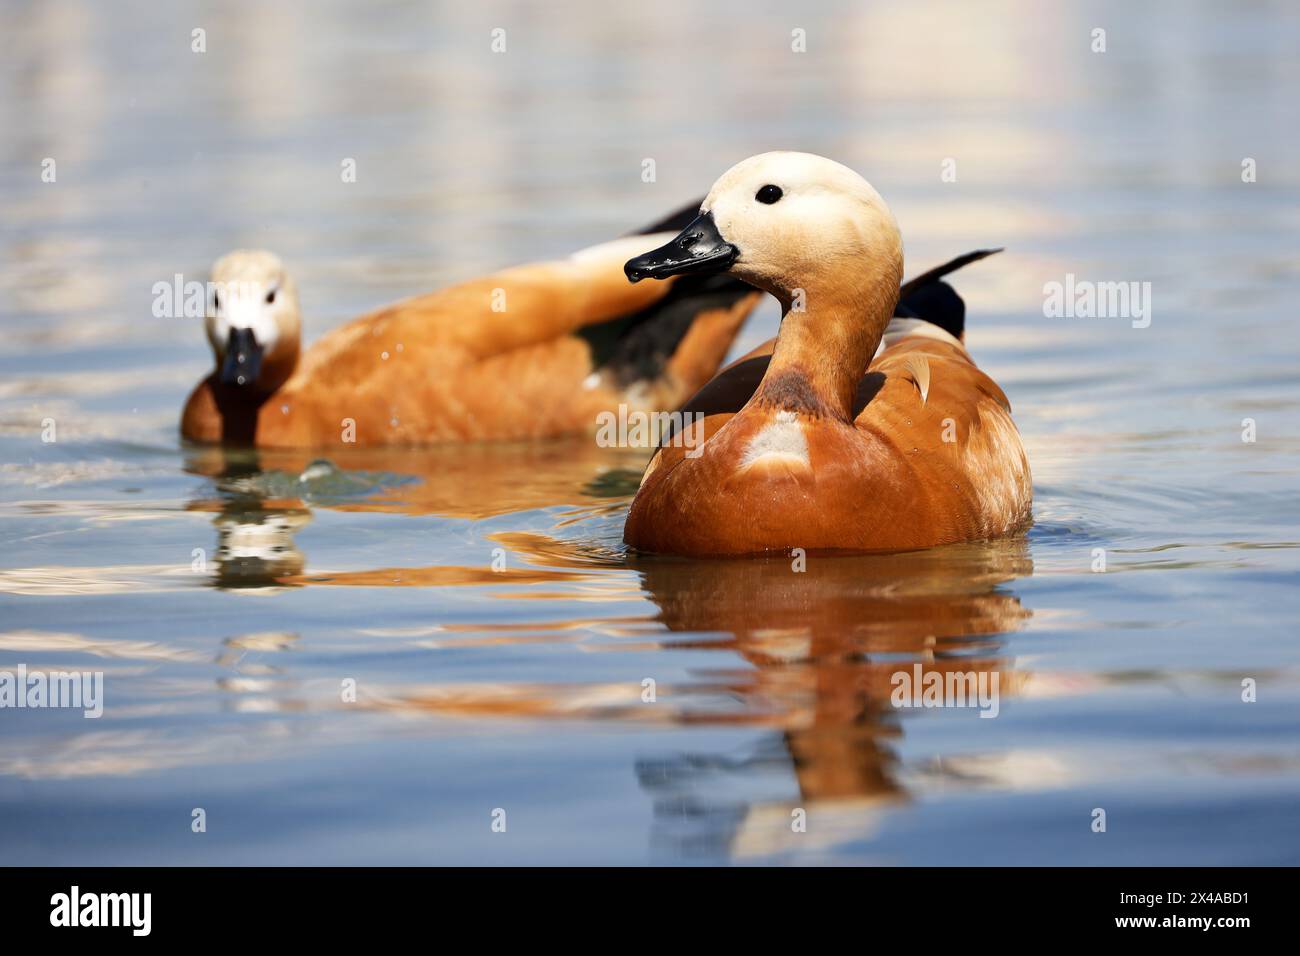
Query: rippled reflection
x=822, y=645
x=262, y=499
x=815, y=651
x=458, y=481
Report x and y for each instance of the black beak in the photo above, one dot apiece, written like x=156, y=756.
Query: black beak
x=243, y=359
x=699, y=248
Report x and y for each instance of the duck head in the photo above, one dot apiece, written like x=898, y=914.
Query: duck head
x=252, y=322
x=785, y=222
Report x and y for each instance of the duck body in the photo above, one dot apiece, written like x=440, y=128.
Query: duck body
x=777, y=475
x=853, y=430
x=535, y=351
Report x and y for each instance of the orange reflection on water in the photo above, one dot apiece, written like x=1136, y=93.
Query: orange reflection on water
x=817, y=642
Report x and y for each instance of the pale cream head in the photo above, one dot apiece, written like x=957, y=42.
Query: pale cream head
x=252, y=291
x=828, y=230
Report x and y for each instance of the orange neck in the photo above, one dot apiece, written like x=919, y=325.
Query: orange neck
x=822, y=353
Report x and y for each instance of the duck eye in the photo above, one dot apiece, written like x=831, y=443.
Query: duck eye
x=270, y=297
x=769, y=194
x=216, y=302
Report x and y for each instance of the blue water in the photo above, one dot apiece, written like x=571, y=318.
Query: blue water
x=479, y=690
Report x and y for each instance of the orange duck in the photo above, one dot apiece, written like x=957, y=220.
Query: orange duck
x=533, y=351
x=848, y=432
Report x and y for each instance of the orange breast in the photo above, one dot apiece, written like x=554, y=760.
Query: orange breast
x=904, y=474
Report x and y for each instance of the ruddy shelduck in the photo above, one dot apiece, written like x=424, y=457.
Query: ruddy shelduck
x=530, y=352
x=849, y=432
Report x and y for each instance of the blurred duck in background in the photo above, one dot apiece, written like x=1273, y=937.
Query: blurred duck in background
x=535, y=351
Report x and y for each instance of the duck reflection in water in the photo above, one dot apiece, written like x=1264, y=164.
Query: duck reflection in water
x=818, y=639
x=823, y=646
x=817, y=653
x=255, y=531
x=263, y=497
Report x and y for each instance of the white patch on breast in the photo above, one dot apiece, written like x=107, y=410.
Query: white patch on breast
x=783, y=438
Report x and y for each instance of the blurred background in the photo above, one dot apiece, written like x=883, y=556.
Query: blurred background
x=1124, y=686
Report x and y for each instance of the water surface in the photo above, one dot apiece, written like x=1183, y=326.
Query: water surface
x=498, y=635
